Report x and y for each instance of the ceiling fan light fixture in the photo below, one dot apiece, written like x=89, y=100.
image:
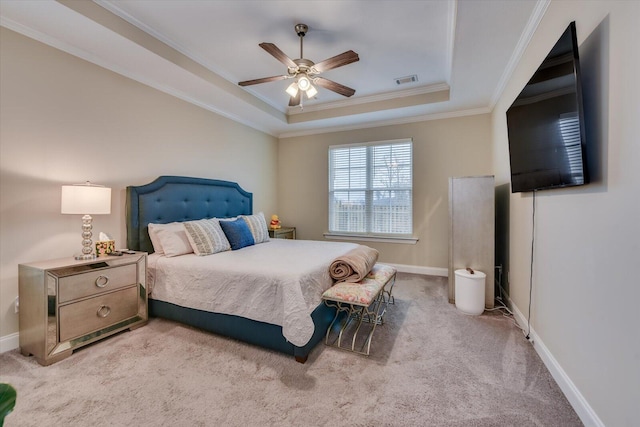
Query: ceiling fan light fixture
x=292, y=90
x=305, y=71
x=311, y=92
x=304, y=83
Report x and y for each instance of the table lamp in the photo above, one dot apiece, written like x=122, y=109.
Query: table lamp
x=86, y=199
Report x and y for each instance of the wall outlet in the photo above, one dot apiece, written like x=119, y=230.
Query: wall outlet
x=16, y=305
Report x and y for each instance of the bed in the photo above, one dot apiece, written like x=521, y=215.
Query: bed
x=294, y=328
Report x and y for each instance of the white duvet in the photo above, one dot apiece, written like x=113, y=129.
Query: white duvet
x=278, y=282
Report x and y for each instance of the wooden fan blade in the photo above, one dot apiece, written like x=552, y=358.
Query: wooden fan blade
x=295, y=100
x=263, y=80
x=274, y=51
x=337, y=61
x=333, y=86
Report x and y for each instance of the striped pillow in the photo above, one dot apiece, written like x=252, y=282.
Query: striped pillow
x=206, y=236
x=258, y=226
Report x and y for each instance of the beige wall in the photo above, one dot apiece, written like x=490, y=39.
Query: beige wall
x=442, y=148
x=586, y=293
x=64, y=120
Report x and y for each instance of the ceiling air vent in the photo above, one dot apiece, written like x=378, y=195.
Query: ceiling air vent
x=405, y=80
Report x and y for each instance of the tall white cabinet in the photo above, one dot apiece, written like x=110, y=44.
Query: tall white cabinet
x=472, y=230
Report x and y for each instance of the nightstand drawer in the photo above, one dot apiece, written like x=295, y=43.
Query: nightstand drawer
x=94, y=282
x=83, y=317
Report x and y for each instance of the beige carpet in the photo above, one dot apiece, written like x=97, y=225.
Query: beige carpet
x=430, y=366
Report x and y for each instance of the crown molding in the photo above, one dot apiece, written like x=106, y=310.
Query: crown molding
x=385, y=96
x=523, y=42
x=391, y=122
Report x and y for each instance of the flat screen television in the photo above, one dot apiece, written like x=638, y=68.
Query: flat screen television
x=547, y=147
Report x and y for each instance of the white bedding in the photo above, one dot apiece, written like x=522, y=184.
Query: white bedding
x=278, y=282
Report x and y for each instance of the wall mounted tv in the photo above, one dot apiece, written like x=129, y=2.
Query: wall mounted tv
x=547, y=147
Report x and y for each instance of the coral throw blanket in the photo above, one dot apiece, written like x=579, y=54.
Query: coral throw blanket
x=354, y=265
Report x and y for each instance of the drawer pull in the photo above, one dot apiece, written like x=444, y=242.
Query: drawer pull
x=102, y=281
x=103, y=311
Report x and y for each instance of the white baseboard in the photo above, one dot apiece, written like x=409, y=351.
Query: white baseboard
x=576, y=399
x=9, y=342
x=416, y=269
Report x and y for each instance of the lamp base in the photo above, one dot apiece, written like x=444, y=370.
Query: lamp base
x=87, y=244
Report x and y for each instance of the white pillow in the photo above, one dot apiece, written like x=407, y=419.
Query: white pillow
x=155, y=240
x=206, y=236
x=172, y=238
x=258, y=226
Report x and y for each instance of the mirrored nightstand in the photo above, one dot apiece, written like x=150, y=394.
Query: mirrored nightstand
x=283, y=233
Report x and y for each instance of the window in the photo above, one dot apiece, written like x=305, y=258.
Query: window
x=370, y=189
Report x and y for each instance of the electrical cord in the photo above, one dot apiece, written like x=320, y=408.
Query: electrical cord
x=506, y=311
x=533, y=237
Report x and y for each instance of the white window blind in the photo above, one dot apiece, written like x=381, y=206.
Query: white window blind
x=370, y=189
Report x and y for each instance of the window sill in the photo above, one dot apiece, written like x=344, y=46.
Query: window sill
x=382, y=239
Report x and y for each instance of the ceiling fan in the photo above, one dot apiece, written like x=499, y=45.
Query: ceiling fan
x=306, y=72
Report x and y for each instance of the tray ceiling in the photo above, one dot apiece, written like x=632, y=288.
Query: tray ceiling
x=461, y=52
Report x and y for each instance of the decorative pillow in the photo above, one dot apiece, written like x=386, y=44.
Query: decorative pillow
x=206, y=236
x=155, y=240
x=172, y=238
x=237, y=233
x=258, y=226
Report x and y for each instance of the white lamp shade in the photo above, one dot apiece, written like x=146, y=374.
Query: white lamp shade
x=85, y=199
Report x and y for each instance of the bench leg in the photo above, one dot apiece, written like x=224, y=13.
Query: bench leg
x=351, y=312
x=377, y=318
x=390, y=299
x=371, y=315
x=330, y=328
x=360, y=315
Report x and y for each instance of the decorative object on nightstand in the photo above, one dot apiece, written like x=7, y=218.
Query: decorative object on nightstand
x=275, y=222
x=105, y=246
x=66, y=304
x=283, y=233
x=86, y=199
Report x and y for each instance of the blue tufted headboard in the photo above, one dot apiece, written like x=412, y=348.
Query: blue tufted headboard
x=179, y=198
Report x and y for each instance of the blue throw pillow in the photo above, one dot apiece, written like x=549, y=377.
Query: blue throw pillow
x=238, y=233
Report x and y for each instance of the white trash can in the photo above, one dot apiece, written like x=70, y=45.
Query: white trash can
x=469, y=291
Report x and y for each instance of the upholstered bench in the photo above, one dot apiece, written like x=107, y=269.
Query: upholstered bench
x=364, y=302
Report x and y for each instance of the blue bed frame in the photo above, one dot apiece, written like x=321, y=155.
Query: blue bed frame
x=178, y=198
